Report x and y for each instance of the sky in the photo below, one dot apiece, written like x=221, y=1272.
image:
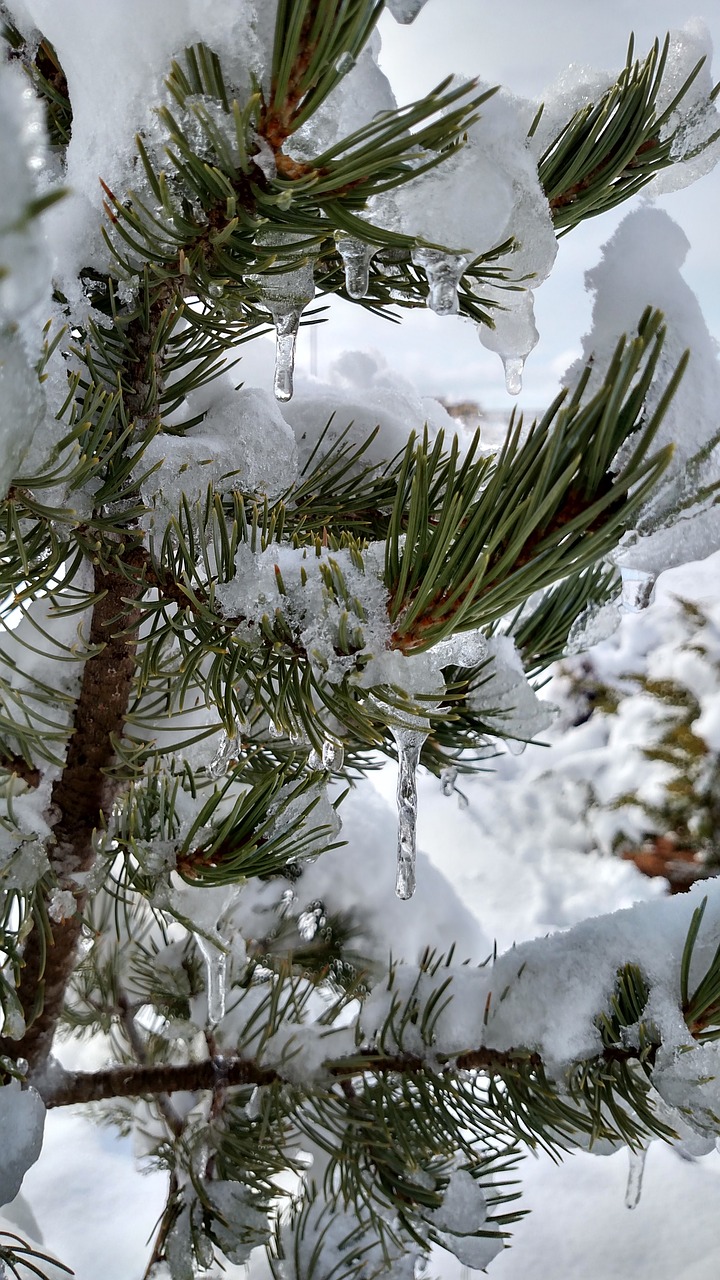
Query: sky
x=524, y=46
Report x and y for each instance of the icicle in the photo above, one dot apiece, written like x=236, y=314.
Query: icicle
x=314, y=760
x=448, y=778
x=275, y=730
x=287, y=324
x=216, y=959
x=356, y=256
x=515, y=746
x=285, y=294
x=444, y=272
x=345, y=63
x=333, y=755
x=513, y=366
x=409, y=744
x=635, y=1176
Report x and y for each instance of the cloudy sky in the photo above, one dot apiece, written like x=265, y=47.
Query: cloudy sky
x=524, y=46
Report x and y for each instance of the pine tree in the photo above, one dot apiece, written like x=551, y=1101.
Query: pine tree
x=208, y=642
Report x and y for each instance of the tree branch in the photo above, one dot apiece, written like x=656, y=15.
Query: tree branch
x=83, y=797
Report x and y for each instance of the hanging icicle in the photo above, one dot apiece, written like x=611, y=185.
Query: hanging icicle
x=409, y=743
x=405, y=11
x=635, y=1176
x=513, y=366
x=448, y=778
x=216, y=961
x=356, y=256
x=637, y=589
x=285, y=294
x=444, y=272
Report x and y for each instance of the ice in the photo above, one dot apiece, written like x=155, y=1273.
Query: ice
x=444, y=272
x=636, y=1168
x=228, y=750
x=357, y=256
x=333, y=755
x=22, y=1119
x=216, y=965
x=62, y=905
x=285, y=294
x=513, y=366
x=637, y=589
x=409, y=743
x=696, y=119
x=405, y=11
x=506, y=701
x=448, y=778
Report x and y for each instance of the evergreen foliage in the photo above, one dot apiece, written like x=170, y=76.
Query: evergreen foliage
x=131, y=642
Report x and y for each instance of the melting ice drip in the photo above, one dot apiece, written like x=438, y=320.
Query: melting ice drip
x=356, y=256
x=285, y=294
x=635, y=1177
x=513, y=366
x=409, y=743
x=216, y=961
x=405, y=10
x=444, y=272
x=331, y=759
x=229, y=749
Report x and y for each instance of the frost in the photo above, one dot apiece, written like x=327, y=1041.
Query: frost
x=22, y=1119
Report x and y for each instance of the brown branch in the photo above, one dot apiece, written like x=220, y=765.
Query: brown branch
x=83, y=797
x=131, y=1082
x=18, y=765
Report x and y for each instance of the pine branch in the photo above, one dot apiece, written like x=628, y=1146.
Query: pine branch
x=83, y=798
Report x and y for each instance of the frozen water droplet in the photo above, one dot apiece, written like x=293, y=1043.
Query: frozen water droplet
x=515, y=746
x=405, y=11
x=287, y=324
x=636, y=1169
x=275, y=730
x=513, y=366
x=215, y=290
x=448, y=778
x=637, y=589
x=356, y=256
x=229, y=749
x=409, y=744
x=444, y=272
x=333, y=755
x=14, y=1024
x=345, y=63
x=215, y=958
x=314, y=760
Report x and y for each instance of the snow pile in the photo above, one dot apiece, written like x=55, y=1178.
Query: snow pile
x=640, y=267
x=242, y=443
